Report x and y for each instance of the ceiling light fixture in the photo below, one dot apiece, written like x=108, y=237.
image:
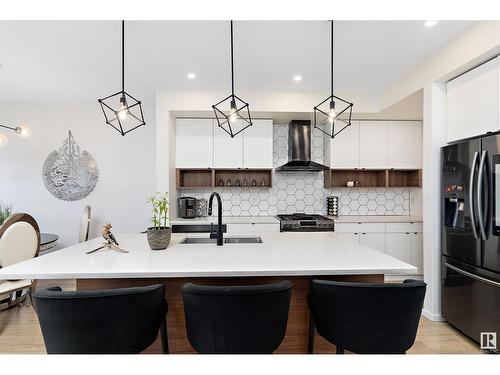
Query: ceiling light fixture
x=191, y=75
x=238, y=109
x=430, y=23
x=122, y=111
x=21, y=131
x=328, y=117
x=297, y=78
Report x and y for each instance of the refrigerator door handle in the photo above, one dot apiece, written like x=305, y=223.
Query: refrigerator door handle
x=471, y=275
x=471, y=194
x=479, y=195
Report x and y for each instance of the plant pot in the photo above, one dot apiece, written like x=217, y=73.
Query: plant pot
x=159, y=238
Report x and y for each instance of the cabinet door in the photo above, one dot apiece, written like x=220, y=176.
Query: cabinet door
x=194, y=143
x=373, y=144
x=258, y=145
x=228, y=152
x=349, y=236
x=373, y=240
x=404, y=144
x=398, y=245
x=417, y=250
x=343, y=150
x=472, y=102
x=253, y=228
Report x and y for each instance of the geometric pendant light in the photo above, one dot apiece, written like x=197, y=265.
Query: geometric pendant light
x=121, y=110
x=21, y=131
x=232, y=113
x=327, y=114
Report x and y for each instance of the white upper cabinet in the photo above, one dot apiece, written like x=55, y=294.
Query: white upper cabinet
x=258, y=145
x=343, y=150
x=373, y=144
x=404, y=144
x=194, y=143
x=473, y=102
x=228, y=152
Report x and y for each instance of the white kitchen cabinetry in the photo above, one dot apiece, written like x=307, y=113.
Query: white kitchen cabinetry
x=258, y=145
x=374, y=240
x=342, y=152
x=349, y=236
x=373, y=144
x=473, y=102
x=417, y=251
x=398, y=245
x=194, y=143
x=228, y=152
x=404, y=144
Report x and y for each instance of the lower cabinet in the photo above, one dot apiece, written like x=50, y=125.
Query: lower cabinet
x=252, y=228
x=403, y=241
x=374, y=240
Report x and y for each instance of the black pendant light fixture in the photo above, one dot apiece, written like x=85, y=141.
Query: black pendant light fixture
x=327, y=113
x=121, y=110
x=238, y=108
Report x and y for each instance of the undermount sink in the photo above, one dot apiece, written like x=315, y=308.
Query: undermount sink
x=228, y=240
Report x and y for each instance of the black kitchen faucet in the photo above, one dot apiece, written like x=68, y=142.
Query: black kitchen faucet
x=216, y=233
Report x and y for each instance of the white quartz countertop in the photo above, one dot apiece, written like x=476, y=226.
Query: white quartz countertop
x=376, y=219
x=280, y=254
x=228, y=220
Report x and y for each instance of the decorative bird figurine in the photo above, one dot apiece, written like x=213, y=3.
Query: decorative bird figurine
x=108, y=235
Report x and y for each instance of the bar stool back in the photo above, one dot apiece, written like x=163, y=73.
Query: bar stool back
x=112, y=321
x=247, y=319
x=366, y=317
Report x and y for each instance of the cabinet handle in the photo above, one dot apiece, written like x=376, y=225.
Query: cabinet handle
x=407, y=232
x=363, y=233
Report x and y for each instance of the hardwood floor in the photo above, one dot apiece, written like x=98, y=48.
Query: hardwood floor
x=20, y=333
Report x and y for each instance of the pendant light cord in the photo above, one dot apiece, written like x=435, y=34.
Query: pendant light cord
x=232, y=61
x=7, y=127
x=331, y=56
x=123, y=56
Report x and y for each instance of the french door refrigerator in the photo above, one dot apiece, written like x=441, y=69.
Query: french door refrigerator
x=470, y=294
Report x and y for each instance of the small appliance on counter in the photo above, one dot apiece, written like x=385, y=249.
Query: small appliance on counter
x=301, y=222
x=332, y=206
x=187, y=207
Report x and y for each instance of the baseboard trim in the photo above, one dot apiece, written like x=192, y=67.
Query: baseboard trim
x=433, y=317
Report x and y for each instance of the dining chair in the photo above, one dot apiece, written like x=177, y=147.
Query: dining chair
x=110, y=321
x=85, y=224
x=19, y=241
x=243, y=319
x=366, y=318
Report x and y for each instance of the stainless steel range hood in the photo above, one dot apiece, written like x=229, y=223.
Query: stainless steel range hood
x=299, y=149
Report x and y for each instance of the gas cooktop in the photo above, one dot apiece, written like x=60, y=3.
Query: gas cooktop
x=301, y=222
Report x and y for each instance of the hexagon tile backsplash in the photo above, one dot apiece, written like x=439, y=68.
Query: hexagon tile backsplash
x=304, y=192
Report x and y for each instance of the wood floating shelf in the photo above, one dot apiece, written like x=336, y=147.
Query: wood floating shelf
x=368, y=178
x=212, y=178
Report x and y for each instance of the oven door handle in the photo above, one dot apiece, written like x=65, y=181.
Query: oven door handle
x=471, y=195
x=479, y=195
x=471, y=275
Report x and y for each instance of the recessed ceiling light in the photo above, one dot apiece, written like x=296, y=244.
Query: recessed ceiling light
x=191, y=75
x=430, y=23
x=297, y=78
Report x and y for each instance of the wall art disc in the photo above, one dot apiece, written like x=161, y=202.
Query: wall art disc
x=69, y=174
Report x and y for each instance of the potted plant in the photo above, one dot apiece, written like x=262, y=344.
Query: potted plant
x=159, y=234
x=5, y=212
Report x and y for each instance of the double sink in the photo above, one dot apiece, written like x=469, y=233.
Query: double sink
x=228, y=240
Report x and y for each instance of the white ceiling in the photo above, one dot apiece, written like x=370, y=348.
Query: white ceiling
x=69, y=61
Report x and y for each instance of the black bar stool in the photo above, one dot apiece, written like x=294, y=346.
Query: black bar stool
x=366, y=317
x=246, y=319
x=112, y=321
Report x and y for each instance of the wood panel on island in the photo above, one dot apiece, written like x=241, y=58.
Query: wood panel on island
x=368, y=178
x=223, y=178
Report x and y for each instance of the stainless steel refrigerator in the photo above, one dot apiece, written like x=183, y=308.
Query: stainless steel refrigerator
x=470, y=298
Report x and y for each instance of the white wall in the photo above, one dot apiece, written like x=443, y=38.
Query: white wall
x=126, y=168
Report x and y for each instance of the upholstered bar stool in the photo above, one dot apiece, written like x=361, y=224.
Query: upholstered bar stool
x=112, y=321
x=364, y=317
x=246, y=319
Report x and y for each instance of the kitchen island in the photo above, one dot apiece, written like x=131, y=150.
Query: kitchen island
x=298, y=257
